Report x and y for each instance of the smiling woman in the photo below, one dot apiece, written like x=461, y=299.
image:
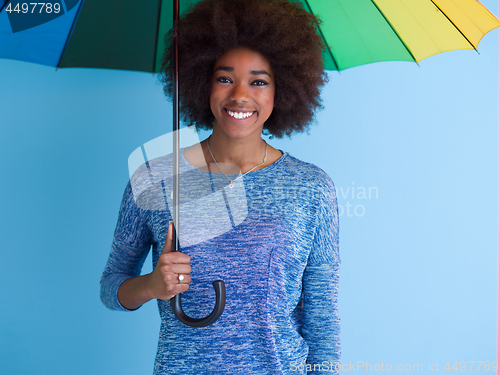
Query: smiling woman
x=247, y=67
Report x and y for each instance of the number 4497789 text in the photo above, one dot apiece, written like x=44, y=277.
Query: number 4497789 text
x=31, y=7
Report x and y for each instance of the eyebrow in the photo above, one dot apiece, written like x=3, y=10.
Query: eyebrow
x=252, y=72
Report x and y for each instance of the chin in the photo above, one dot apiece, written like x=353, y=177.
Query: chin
x=241, y=133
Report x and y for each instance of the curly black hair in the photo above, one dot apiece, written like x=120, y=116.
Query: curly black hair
x=281, y=30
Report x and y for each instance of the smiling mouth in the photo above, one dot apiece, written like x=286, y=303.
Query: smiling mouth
x=239, y=115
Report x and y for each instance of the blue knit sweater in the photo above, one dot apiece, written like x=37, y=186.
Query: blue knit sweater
x=273, y=239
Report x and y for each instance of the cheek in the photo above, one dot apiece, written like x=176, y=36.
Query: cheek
x=270, y=101
x=213, y=101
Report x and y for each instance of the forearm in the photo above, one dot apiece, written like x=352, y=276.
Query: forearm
x=134, y=292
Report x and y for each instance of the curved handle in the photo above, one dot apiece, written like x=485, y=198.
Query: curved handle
x=220, y=299
x=220, y=303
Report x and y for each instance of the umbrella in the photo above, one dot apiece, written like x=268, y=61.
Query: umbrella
x=130, y=37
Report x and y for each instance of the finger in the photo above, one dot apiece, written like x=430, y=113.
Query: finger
x=180, y=268
x=172, y=279
x=181, y=288
x=168, y=242
x=186, y=280
x=172, y=284
x=177, y=258
x=171, y=270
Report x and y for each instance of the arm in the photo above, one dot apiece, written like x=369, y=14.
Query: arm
x=162, y=283
x=321, y=322
x=321, y=327
x=122, y=287
x=131, y=243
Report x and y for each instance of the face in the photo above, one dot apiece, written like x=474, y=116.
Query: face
x=242, y=93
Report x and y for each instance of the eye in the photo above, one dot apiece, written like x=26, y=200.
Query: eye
x=223, y=80
x=260, y=82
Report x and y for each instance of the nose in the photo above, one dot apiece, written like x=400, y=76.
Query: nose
x=240, y=93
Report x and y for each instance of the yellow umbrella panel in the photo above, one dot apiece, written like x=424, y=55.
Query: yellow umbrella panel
x=363, y=31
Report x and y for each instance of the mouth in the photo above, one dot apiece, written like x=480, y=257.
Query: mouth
x=239, y=115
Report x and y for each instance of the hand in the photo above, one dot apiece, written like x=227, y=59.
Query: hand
x=163, y=282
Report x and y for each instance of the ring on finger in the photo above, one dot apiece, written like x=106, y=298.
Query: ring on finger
x=180, y=278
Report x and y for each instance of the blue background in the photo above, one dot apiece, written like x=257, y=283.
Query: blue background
x=419, y=255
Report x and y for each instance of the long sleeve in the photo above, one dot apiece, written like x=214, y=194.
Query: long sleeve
x=131, y=243
x=321, y=322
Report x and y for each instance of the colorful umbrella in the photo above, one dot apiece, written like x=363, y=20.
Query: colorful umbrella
x=128, y=35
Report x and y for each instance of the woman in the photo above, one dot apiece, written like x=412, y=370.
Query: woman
x=246, y=67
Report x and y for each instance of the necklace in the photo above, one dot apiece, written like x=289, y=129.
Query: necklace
x=231, y=181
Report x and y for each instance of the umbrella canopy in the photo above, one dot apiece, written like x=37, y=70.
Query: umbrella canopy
x=130, y=35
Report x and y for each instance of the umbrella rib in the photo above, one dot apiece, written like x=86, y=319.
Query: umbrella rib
x=323, y=37
x=3, y=6
x=394, y=30
x=460, y=31
x=157, y=36
x=70, y=33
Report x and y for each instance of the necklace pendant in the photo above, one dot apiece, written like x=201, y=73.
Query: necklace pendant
x=231, y=185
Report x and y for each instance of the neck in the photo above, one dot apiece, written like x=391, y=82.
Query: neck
x=242, y=153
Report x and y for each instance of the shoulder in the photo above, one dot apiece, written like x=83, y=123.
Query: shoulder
x=148, y=181
x=144, y=170
x=306, y=173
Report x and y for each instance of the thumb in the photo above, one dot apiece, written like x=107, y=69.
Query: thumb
x=169, y=242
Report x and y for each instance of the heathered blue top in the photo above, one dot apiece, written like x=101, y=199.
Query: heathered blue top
x=273, y=239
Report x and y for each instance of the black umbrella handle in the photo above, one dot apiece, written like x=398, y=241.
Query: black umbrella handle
x=220, y=303
x=220, y=300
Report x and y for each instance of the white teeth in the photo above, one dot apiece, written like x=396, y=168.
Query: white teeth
x=239, y=115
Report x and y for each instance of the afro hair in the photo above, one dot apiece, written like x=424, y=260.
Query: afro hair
x=281, y=30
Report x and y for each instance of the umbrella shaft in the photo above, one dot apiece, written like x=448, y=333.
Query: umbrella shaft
x=176, y=140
